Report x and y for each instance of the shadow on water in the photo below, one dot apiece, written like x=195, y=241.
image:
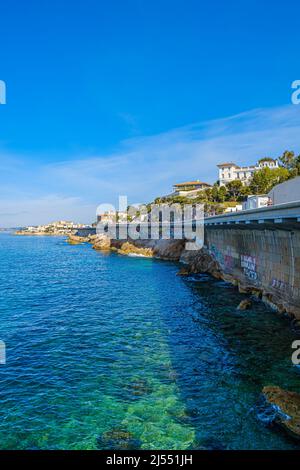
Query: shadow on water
x=223, y=358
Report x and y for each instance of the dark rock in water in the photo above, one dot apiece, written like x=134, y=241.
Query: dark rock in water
x=286, y=407
x=245, y=304
x=203, y=262
x=117, y=439
x=184, y=271
x=192, y=412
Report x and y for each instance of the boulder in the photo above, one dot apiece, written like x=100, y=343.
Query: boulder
x=75, y=240
x=287, y=408
x=168, y=249
x=102, y=243
x=92, y=238
x=183, y=271
x=245, y=304
x=201, y=261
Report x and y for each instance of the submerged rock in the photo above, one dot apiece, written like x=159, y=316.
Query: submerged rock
x=184, y=271
x=287, y=408
x=245, y=304
x=117, y=439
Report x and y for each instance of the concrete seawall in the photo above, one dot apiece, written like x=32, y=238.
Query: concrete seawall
x=267, y=260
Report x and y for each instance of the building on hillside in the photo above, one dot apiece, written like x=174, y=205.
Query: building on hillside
x=230, y=171
x=289, y=191
x=236, y=208
x=189, y=188
x=255, y=202
x=112, y=217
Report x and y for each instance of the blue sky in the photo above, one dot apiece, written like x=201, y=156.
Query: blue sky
x=129, y=96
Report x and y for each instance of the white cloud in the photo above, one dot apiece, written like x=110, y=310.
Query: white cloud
x=143, y=167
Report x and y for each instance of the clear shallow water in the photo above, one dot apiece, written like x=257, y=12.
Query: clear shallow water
x=105, y=351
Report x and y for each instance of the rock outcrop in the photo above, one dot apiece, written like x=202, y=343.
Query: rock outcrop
x=201, y=261
x=183, y=271
x=168, y=249
x=130, y=249
x=75, y=240
x=245, y=304
x=287, y=408
x=162, y=249
x=101, y=243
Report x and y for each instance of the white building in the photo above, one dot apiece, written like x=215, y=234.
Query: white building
x=255, y=202
x=237, y=208
x=230, y=171
x=189, y=189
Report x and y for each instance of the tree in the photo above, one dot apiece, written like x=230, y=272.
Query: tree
x=235, y=189
x=266, y=159
x=208, y=193
x=287, y=160
x=215, y=193
x=297, y=165
x=265, y=179
x=222, y=194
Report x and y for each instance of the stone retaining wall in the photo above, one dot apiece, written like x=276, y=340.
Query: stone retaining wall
x=266, y=260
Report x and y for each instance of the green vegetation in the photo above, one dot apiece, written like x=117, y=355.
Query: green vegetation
x=265, y=179
x=217, y=198
x=291, y=162
x=266, y=159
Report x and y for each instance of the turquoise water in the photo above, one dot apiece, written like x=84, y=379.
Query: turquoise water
x=105, y=351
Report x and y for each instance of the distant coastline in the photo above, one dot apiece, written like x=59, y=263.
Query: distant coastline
x=60, y=228
x=43, y=234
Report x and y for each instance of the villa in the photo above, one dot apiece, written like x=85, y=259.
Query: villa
x=189, y=188
x=230, y=171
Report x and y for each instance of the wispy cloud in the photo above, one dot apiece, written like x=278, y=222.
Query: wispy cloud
x=141, y=168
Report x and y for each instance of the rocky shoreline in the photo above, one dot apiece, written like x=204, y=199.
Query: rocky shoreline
x=193, y=261
x=44, y=234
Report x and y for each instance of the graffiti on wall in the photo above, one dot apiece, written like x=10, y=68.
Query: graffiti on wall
x=225, y=257
x=248, y=263
x=278, y=284
x=217, y=254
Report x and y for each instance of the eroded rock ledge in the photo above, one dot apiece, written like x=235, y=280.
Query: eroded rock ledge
x=162, y=249
x=286, y=407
